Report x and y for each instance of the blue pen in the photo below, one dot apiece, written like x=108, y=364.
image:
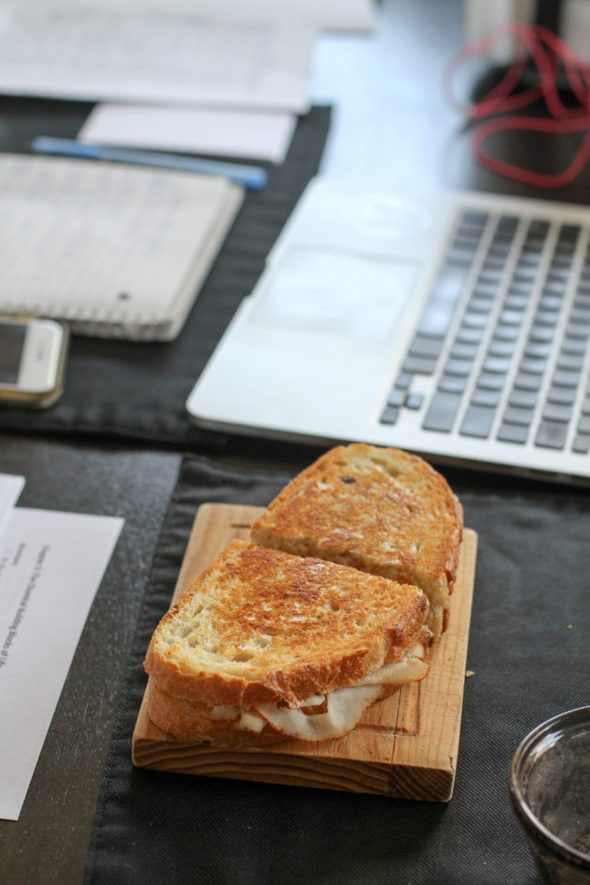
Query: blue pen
x=253, y=177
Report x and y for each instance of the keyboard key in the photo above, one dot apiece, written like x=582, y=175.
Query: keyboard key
x=468, y=336
x=486, y=291
x=516, y=301
x=580, y=318
x=514, y=433
x=573, y=346
x=538, y=230
x=557, y=412
x=519, y=289
x=461, y=351
x=574, y=362
x=541, y=333
x=564, y=395
x=414, y=401
x=550, y=302
x=584, y=425
x=530, y=255
x=478, y=421
x=474, y=320
x=442, y=411
x=555, y=285
x=396, y=398
x=452, y=384
x=510, y=318
x=563, y=378
x=515, y=415
x=500, y=348
x=568, y=237
x=389, y=415
x=534, y=366
x=499, y=250
x=496, y=365
x=546, y=318
x=581, y=444
x=523, y=399
x=461, y=253
x=490, y=277
x=577, y=332
x=494, y=262
x=403, y=380
x=506, y=333
x=419, y=365
x=562, y=260
x=421, y=346
x=482, y=397
x=537, y=349
x=458, y=367
x=527, y=381
x=474, y=218
x=481, y=304
x=506, y=227
x=525, y=275
x=551, y=435
x=491, y=381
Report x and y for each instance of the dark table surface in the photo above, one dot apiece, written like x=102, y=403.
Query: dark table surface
x=528, y=643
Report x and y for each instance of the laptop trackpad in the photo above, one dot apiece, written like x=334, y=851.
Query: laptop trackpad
x=335, y=292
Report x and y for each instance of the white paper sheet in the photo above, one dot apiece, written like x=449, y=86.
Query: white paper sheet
x=225, y=133
x=51, y=565
x=333, y=15
x=154, y=54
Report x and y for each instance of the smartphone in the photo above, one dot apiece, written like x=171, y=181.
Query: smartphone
x=33, y=355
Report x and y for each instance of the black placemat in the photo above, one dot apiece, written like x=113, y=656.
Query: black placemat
x=529, y=657
x=138, y=390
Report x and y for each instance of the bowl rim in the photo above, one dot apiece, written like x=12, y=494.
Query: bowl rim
x=576, y=716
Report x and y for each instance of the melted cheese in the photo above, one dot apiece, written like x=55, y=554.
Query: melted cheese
x=345, y=706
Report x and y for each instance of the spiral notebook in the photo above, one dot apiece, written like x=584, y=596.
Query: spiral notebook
x=116, y=251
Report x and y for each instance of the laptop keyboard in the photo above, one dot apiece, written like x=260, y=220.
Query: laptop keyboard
x=504, y=335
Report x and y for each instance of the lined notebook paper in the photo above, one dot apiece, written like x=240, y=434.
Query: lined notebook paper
x=116, y=251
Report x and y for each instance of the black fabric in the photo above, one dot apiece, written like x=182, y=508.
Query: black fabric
x=548, y=14
x=138, y=391
x=530, y=658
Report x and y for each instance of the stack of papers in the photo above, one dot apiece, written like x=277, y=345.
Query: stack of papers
x=154, y=53
x=185, y=75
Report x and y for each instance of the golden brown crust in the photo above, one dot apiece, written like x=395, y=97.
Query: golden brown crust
x=261, y=625
x=379, y=510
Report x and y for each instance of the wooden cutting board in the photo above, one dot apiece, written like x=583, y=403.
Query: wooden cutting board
x=405, y=746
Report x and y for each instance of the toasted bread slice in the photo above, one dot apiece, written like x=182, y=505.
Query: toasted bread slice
x=380, y=510
x=262, y=633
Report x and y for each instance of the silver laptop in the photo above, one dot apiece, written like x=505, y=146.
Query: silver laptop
x=454, y=325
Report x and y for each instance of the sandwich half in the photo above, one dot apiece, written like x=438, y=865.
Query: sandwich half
x=266, y=646
x=380, y=510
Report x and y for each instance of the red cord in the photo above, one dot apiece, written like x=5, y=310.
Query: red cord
x=549, y=56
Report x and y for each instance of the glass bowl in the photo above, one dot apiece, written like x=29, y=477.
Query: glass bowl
x=550, y=795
